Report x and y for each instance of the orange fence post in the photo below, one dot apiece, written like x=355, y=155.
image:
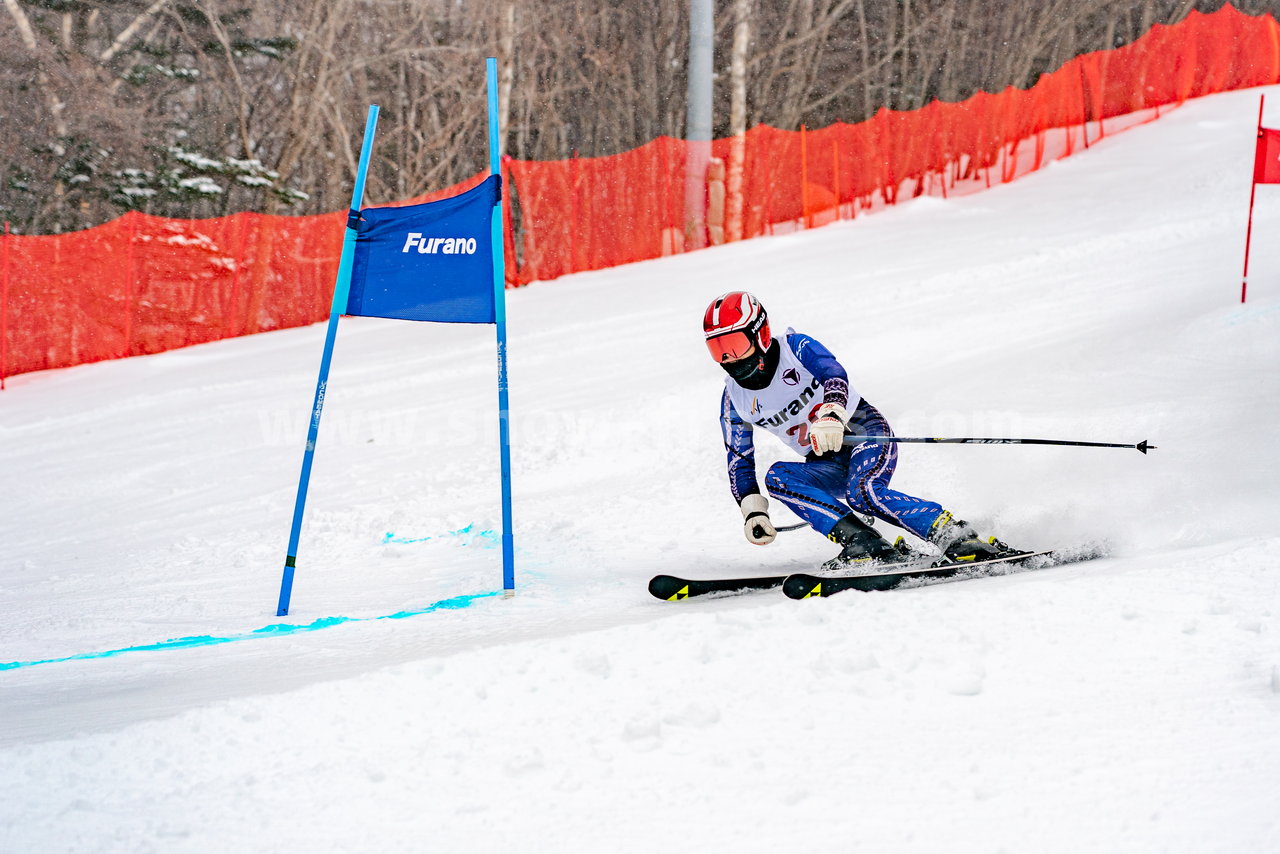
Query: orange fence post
x=804, y=177
x=835, y=172
x=130, y=284
x=575, y=226
x=4, y=306
x=232, y=314
x=512, y=271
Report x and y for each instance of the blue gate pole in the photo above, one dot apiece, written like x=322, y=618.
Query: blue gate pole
x=500, y=317
x=341, y=290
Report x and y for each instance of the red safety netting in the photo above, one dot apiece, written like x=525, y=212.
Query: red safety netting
x=588, y=213
x=143, y=284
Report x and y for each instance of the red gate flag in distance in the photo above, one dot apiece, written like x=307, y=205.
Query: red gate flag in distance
x=1266, y=161
x=1266, y=170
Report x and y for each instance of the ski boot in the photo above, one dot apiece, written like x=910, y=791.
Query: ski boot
x=864, y=548
x=960, y=543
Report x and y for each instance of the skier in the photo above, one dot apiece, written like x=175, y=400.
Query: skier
x=796, y=389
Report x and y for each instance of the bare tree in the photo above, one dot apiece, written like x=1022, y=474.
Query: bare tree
x=737, y=117
x=205, y=107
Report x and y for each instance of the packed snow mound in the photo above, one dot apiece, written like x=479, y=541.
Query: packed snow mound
x=1129, y=703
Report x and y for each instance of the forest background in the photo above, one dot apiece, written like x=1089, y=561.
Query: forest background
x=206, y=108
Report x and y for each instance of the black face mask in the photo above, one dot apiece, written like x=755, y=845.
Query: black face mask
x=755, y=372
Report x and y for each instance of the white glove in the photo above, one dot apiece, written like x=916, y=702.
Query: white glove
x=826, y=433
x=755, y=514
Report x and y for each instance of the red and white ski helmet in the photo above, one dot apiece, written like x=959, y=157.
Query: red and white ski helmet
x=734, y=323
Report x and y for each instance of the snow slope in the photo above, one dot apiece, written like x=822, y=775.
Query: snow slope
x=1129, y=704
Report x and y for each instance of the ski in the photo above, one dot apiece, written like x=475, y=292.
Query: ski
x=804, y=585
x=801, y=585
x=669, y=588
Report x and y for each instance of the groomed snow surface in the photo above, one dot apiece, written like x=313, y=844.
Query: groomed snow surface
x=1130, y=704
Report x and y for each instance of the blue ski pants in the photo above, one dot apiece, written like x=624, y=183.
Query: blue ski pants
x=822, y=490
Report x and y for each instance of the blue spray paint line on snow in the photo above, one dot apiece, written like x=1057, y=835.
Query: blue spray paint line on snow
x=488, y=538
x=276, y=630
x=390, y=537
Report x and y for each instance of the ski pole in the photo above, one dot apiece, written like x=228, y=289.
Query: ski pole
x=856, y=440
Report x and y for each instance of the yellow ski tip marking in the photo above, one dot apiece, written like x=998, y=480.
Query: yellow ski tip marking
x=816, y=591
x=682, y=593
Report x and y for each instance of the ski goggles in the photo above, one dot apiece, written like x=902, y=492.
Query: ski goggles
x=729, y=347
